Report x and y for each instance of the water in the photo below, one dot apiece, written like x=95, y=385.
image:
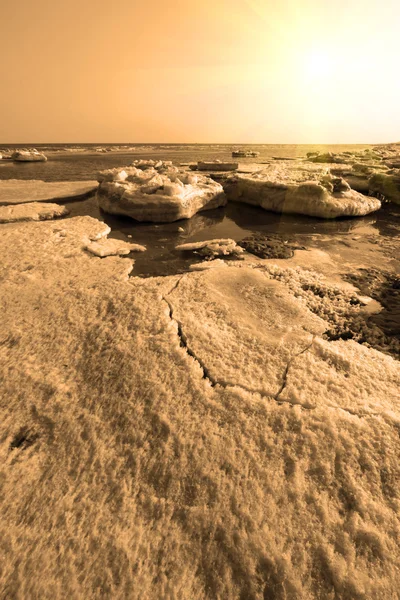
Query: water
x=65, y=166
x=235, y=220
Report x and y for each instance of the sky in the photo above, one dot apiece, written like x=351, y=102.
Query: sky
x=184, y=71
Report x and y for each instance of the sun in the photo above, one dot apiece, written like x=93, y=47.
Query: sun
x=318, y=64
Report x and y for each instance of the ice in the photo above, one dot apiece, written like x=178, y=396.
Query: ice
x=162, y=195
x=18, y=191
x=369, y=172
x=387, y=184
x=131, y=434
x=32, y=211
x=29, y=155
x=300, y=189
x=113, y=247
x=213, y=248
x=219, y=313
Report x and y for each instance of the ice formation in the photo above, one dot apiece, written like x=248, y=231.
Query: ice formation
x=112, y=247
x=213, y=248
x=29, y=155
x=193, y=435
x=159, y=193
x=387, y=184
x=299, y=188
x=375, y=171
x=18, y=191
x=32, y=211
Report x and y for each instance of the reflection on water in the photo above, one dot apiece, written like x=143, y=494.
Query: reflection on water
x=235, y=221
x=261, y=221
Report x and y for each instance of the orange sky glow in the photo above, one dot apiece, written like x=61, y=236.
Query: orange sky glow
x=228, y=71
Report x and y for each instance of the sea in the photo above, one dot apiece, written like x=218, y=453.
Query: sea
x=73, y=162
x=77, y=162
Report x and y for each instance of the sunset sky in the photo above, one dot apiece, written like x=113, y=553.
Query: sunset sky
x=250, y=71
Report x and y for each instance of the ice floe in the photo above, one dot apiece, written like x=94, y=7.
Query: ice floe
x=112, y=247
x=213, y=248
x=32, y=211
x=300, y=189
x=29, y=155
x=158, y=193
x=18, y=191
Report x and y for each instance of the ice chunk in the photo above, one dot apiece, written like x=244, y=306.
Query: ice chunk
x=113, y=247
x=32, y=211
x=299, y=188
x=213, y=248
x=160, y=197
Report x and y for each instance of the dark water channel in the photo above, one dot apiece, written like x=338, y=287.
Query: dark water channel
x=235, y=221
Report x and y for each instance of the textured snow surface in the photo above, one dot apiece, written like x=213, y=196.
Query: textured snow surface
x=220, y=313
x=301, y=188
x=129, y=472
x=32, y=211
x=344, y=374
x=18, y=191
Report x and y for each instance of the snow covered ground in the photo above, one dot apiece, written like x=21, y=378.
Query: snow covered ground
x=193, y=436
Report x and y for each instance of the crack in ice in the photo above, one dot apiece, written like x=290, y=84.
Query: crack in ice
x=286, y=371
x=214, y=382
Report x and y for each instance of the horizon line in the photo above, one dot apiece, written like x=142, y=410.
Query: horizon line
x=199, y=143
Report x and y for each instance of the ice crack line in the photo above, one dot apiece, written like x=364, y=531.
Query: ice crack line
x=226, y=384
x=183, y=341
x=286, y=371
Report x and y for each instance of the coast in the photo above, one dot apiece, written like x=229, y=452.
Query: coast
x=227, y=433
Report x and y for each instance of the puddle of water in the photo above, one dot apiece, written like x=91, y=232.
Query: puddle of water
x=232, y=221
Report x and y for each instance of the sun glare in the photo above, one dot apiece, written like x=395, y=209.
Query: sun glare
x=318, y=64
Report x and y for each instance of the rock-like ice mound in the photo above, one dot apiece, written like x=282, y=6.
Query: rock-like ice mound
x=30, y=155
x=157, y=192
x=300, y=189
x=387, y=184
x=375, y=172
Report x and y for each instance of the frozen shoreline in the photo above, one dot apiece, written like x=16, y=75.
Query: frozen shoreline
x=188, y=414
x=206, y=418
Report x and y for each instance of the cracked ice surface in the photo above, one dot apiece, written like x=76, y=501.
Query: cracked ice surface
x=242, y=326
x=344, y=375
x=114, y=445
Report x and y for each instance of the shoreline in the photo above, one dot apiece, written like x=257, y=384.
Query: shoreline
x=185, y=430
